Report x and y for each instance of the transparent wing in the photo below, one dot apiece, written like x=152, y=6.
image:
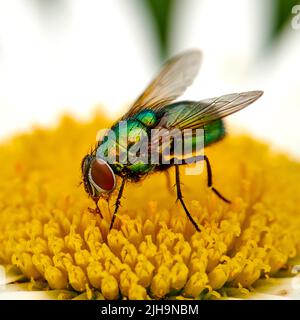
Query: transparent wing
x=197, y=114
x=176, y=75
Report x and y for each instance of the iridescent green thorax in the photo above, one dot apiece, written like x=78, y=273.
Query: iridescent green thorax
x=147, y=117
x=124, y=137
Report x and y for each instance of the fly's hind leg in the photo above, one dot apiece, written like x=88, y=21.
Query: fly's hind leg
x=169, y=181
x=209, y=180
x=180, y=198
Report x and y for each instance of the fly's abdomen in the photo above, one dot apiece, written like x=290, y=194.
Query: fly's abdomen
x=213, y=132
x=188, y=115
x=194, y=141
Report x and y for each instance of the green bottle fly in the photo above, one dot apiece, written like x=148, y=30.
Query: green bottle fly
x=153, y=125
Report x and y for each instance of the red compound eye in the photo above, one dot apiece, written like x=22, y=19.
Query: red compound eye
x=102, y=175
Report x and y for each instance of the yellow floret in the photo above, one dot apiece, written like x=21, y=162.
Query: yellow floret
x=49, y=233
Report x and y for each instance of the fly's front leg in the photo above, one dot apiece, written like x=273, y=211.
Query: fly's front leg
x=180, y=198
x=117, y=204
x=97, y=209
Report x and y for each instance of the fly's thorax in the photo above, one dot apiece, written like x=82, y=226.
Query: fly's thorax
x=147, y=117
x=126, y=145
x=134, y=129
x=123, y=140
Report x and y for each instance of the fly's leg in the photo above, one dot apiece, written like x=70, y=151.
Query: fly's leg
x=210, y=183
x=97, y=209
x=117, y=204
x=180, y=198
x=169, y=182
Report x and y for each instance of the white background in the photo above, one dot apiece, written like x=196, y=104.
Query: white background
x=83, y=53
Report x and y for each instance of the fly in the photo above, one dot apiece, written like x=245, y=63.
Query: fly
x=156, y=109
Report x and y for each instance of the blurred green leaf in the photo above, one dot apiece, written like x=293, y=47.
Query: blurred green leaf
x=282, y=11
x=160, y=12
